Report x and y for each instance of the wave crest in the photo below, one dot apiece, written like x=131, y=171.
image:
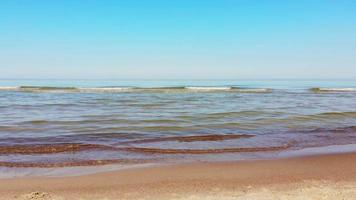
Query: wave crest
x=333, y=89
x=81, y=163
x=51, y=148
x=118, y=89
x=202, y=151
x=194, y=138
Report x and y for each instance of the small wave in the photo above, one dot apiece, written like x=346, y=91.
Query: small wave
x=307, y=118
x=347, y=129
x=333, y=89
x=51, y=148
x=195, y=138
x=202, y=151
x=207, y=88
x=118, y=89
x=106, y=89
x=72, y=89
x=252, y=90
x=78, y=163
x=235, y=114
x=73, y=122
x=37, y=122
x=230, y=89
x=158, y=89
x=34, y=88
x=161, y=88
x=327, y=115
x=4, y=88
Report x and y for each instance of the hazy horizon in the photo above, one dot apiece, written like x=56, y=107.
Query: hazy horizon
x=178, y=40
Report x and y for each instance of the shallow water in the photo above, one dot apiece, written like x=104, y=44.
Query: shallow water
x=66, y=123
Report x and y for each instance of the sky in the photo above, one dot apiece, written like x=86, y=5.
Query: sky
x=177, y=39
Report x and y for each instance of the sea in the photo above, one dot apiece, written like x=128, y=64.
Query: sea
x=71, y=127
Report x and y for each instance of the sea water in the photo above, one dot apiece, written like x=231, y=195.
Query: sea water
x=51, y=124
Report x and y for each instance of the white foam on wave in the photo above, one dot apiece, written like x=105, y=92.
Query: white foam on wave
x=207, y=88
x=9, y=88
x=114, y=89
x=231, y=89
x=254, y=90
x=106, y=89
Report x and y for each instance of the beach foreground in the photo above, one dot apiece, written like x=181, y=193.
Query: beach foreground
x=312, y=177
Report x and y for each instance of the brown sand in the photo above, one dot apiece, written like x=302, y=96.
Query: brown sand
x=314, y=177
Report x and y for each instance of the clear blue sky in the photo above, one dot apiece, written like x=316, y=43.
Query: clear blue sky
x=175, y=39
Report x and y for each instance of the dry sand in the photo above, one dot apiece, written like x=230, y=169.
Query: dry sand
x=314, y=177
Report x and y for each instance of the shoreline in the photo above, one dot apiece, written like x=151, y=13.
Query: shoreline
x=333, y=175
x=84, y=170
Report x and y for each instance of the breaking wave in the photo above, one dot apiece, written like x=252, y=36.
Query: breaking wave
x=173, y=89
x=333, y=89
x=118, y=89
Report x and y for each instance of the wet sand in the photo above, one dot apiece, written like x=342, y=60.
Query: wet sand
x=312, y=177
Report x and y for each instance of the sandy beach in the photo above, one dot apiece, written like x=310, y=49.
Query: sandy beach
x=177, y=100
x=312, y=177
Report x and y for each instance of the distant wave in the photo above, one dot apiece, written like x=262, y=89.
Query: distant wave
x=231, y=89
x=252, y=90
x=173, y=89
x=47, y=88
x=333, y=89
x=105, y=89
x=207, y=88
x=118, y=89
x=8, y=88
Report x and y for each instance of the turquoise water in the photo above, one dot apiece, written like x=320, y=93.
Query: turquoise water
x=65, y=123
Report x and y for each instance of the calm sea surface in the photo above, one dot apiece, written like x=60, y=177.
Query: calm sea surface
x=51, y=124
